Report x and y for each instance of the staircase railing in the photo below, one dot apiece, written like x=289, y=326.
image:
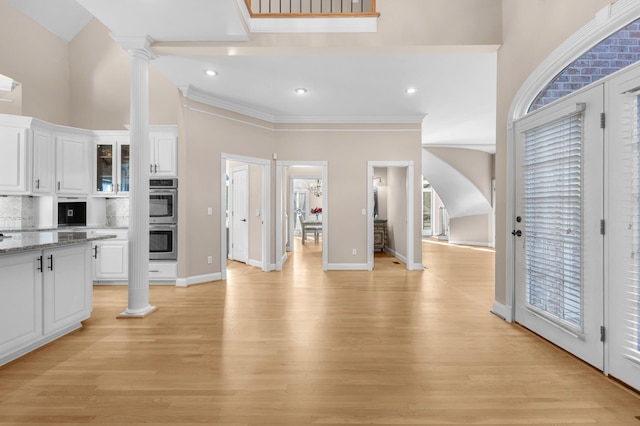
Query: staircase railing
x=311, y=8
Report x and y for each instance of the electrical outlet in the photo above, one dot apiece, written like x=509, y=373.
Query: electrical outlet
x=354, y=252
x=209, y=211
x=209, y=260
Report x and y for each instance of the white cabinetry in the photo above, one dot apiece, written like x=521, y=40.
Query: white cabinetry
x=21, y=301
x=44, y=294
x=72, y=164
x=43, y=148
x=163, y=271
x=111, y=257
x=14, y=152
x=111, y=153
x=164, y=151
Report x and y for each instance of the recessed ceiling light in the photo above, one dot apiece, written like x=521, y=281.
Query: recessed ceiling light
x=410, y=90
x=211, y=73
x=300, y=90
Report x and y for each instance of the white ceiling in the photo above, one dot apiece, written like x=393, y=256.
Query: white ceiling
x=456, y=92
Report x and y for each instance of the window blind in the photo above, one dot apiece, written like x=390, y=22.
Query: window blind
x=632, y=188
x=553, y=218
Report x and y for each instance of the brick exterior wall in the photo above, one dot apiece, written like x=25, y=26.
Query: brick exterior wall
x=618, y=51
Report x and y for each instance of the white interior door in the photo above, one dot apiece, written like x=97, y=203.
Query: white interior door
x=559, y=208
x=623, y=227
x=239, y=200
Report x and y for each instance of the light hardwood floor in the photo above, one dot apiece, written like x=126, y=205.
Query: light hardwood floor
x=304, y=346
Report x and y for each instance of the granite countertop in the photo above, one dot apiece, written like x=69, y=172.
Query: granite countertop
x=61, y=228
x=15, y=242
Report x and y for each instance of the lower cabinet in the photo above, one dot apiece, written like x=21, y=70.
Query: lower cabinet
x=111, y=260
x=44, y=294
x=20, y=301
x=67, y=290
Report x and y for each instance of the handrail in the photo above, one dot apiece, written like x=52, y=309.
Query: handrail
x=311, y=8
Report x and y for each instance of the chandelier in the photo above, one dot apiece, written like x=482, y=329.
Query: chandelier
x=316, y=188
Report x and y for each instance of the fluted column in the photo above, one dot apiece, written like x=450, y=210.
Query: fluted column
x=140, y=55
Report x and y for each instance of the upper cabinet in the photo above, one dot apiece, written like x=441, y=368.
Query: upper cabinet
x=111, y=153
x=43, y=165
x=14, y=151
x=40, y=158
x=164, y=151
x=72, y=163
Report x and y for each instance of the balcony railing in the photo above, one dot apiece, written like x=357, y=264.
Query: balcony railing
x=311, y=8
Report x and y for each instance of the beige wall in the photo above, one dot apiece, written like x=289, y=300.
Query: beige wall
x=347, y=153
x=100, y=88
x=204, y=139
x=255, y=221
x=39, y=61
x=531, y=31
x=472, y=230
x=397, y=210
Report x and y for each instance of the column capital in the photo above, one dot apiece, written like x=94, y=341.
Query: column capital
x=136, y=45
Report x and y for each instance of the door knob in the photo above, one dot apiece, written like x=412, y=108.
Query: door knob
x=517, y=233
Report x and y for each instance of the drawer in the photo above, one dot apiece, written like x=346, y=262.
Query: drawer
x=163, y=270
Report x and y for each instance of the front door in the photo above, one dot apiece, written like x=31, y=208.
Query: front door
x=623, y=227
x=239, y=229
x=558, y=240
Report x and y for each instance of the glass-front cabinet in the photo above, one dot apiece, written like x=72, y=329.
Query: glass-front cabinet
x=112, y=165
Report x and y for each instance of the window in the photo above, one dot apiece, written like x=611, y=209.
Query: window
x=614, y=53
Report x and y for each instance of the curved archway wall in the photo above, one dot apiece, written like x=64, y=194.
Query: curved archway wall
x=528, y=60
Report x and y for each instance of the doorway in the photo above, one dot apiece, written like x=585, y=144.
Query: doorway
x=400, y=222
x=295, y=202
x=245, y=188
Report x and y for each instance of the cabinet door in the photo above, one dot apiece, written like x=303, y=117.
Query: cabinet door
x=112, y=260
x=105, y=163
x=72, y=159
x=67, y=286
x=164, y=155
x=13, y=152
x=42, y=162
x=122, y=175
x=21, y=301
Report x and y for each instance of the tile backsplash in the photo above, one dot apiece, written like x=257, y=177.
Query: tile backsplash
x=117, y=211
x=16, y=211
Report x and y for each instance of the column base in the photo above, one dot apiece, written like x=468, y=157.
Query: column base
x=137, y=313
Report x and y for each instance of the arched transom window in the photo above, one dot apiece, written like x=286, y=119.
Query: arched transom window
x=617, y=51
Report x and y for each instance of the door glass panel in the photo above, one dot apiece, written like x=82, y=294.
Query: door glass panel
x=104, y=168
x=124, y=168
x=553, y=208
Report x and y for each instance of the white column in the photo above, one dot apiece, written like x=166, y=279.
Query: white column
x=138, y=303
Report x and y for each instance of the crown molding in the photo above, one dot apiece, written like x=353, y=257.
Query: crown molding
x=198, y=95
x=141, y=44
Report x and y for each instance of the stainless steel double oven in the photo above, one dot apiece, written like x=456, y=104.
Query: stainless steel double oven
x=163, y=219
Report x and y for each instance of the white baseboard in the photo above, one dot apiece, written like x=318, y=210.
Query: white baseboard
x=395, y=254
x=198, y=279
x=415, y=267
x=347, y=267
x=470, y=243
x=256, y=263
x=502, y=311
x=278, y=266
